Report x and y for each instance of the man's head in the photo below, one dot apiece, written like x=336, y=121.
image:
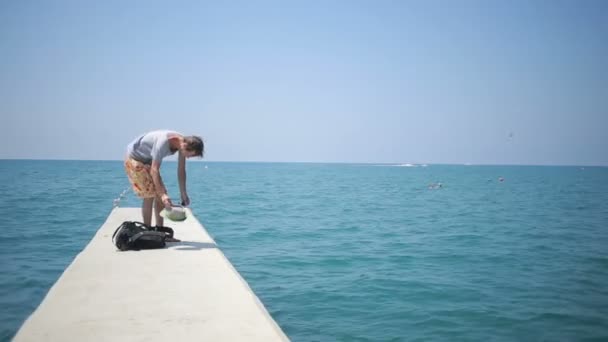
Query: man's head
x=193, y=146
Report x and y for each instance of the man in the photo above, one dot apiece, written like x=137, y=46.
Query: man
x=142, y=164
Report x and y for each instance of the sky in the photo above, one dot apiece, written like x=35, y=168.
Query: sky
x=451, y=82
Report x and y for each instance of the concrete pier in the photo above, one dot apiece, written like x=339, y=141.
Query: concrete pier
x=188, y=291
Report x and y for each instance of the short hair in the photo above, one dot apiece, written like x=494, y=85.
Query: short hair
x=195, y=143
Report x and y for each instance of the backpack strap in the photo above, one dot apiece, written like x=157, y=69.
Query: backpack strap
x=143, y=225
x=117, y=229
x=140, y=234
x=166, y=230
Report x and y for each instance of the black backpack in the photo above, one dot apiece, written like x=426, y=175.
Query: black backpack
x=132, y=235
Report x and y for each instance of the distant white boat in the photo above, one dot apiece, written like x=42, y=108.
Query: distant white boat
x=403, y=165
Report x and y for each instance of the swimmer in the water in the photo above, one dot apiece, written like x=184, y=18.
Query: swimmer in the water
x=435, y=185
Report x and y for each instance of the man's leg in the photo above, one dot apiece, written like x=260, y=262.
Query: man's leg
x=146, y=210
x=158, y=207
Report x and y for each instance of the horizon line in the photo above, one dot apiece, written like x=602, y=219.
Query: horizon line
x=314, y=162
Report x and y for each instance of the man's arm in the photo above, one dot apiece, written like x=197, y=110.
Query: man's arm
x=161, y=191
x=181, y=178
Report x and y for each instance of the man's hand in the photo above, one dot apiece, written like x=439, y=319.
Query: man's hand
x=166, y=201
x=185, y=200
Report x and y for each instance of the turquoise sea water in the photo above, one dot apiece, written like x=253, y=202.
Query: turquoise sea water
x=342, y=252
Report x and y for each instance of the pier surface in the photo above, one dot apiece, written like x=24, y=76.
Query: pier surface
x=187, y=291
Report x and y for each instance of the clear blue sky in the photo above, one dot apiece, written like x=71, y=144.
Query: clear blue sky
x=493, y=82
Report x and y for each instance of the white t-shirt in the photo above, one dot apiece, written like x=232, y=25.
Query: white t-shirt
x=152, y=146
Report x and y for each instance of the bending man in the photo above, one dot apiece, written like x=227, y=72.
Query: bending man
x=142, y=164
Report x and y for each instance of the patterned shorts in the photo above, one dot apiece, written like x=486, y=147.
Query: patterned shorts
x=140, y=178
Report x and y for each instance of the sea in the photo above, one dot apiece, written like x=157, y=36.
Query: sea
x=350, y=252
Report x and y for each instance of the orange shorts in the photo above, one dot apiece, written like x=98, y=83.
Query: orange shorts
x=140, y=178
